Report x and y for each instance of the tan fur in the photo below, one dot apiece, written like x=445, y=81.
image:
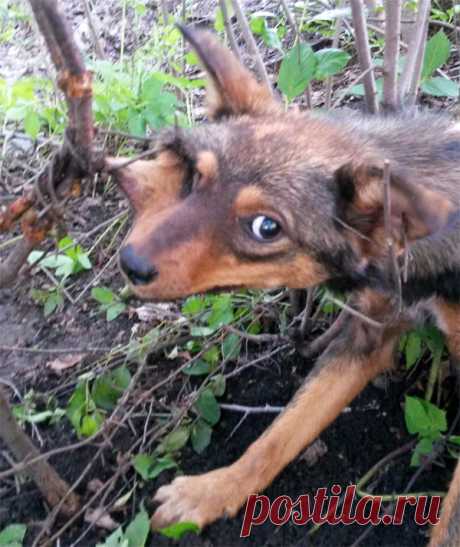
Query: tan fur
x=441, y=535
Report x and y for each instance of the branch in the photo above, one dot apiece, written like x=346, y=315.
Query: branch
x=50, y=484
x=335, y=44
x=364, y=55
x=251, y=43
x=229, y=30
x=412, y=68
x=391, y=53
x=75, y=158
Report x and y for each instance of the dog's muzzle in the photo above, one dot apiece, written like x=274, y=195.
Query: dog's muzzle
x=137, y=268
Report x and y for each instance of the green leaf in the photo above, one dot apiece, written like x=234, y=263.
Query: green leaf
x=424, y=418
x=193, y=305
x=440, y=87
x=208, y=407
x=198, y=368
x=218, y=384
x=109, y=387
x=149, y=467
x=219, y=21
x=330, y=62
x=258, y=25
x=13, y=535
x=53, y=301
x=138, y=530
x=114, y=310
x=91, y=423
x=102, y=295
x=176, y=531
x=116, y=539
x=84, y=261
x=436, y=54
x=32, y=123
x=297, y=70
x=423, y=448
x=231, y=347
x=136, y=124
x=175, y=440
x=201, y=436
x=413, y=349
x=222, y=311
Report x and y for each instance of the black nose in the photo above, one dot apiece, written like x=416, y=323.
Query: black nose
x=137, y=268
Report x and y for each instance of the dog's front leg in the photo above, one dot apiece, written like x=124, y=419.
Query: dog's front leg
x=341, y=373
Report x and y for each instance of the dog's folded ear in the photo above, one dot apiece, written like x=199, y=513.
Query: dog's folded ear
x=232, y=89
x=416, y=211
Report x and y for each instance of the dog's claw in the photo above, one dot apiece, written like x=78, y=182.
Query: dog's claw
x=201, y=499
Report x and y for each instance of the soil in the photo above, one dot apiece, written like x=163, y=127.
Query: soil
x=368, y=430
x=363, y=434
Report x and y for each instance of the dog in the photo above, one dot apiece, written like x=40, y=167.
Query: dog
x=261, y=197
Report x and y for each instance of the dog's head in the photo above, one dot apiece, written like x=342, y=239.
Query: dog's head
x=252, y=199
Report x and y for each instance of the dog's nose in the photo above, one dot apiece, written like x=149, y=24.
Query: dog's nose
x=137, y=268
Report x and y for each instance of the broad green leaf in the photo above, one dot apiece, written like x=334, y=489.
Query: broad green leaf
x=176, y=531
x=423, y=448
x=440, y=87
x=436, y=54
x=32, y=123
x=149, y=467
x=91, y=423
x=114, y=310
x=53, y=301
x=330, y=62
x=138, y=530
x=222, y=311
x=219, y=21
x=297, y=70
x=175, y=440
x=102, y=295
x=13, y=535
x=208, y=407
x=413, y=349
x=108, y=387
x=194, y=305
x=116, y=539
x=198, y=368
x=231, y=347
x=424, y=418
x=218, y=384
x=136, y=124
x=201, y=436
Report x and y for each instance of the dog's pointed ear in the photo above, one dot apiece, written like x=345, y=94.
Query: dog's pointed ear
x=415, y=210
x=232, y=89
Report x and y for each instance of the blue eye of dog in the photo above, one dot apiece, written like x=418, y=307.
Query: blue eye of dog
x=264, y=228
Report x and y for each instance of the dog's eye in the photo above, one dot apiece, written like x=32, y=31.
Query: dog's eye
x=264, y=228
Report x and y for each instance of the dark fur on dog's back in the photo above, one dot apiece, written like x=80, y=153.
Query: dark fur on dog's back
x=316, y=185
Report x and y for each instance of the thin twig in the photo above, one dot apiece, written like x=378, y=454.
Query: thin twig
x=335, y=44
x=364, y=55
x=391, y=53
x=410, y=77
x=251, y=43
x=388, y=232
x=228, y=29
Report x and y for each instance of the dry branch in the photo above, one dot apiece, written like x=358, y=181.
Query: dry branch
x=412, y=68
x=228, y=29
x=391, y=53
x=75, y=159
x=52, y=487
x=40, y=206
x=364, y=55
x=251, y=43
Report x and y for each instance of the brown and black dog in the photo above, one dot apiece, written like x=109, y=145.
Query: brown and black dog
x=263, y=198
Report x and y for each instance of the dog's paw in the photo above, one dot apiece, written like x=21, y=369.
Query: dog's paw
x=201, y=499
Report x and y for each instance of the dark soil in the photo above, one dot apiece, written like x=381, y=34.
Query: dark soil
x=361, y=436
